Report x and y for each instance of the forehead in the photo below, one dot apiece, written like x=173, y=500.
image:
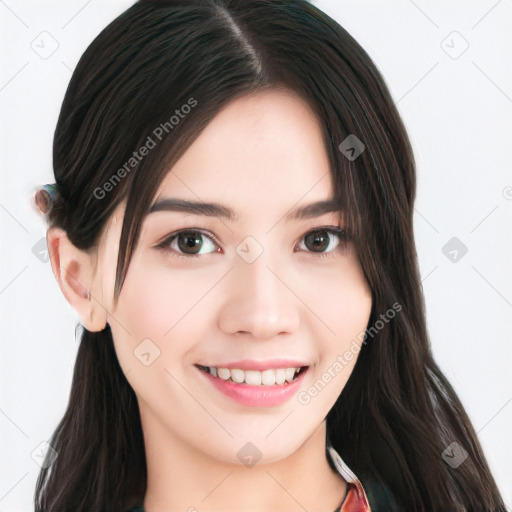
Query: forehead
x=265, y=148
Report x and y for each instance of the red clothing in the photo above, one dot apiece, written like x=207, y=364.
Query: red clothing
x=355, y=500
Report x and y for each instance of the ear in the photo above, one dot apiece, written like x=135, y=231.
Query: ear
x=76, y=274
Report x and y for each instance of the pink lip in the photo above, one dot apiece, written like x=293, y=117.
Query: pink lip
x=251, y=364
x=256, y=396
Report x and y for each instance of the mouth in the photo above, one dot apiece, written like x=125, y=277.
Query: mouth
x=271, y=377
x=271, y=387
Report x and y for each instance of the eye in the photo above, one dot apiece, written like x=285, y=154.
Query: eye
x=185, y=243
x=318, y=240
x=189, y=243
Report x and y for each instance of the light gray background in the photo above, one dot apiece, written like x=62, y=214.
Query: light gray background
x=457, y=107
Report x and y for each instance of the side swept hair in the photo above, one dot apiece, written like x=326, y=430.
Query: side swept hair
x=397, y=412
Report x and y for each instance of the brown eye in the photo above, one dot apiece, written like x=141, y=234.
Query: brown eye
x=189, y=243
x=324, y=240
x=317, y=240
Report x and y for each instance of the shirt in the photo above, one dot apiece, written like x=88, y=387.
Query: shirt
x=355, y=499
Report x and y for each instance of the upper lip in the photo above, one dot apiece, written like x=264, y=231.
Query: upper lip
x=250, y=364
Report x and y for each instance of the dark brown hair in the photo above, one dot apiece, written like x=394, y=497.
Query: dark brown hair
x=397, y=412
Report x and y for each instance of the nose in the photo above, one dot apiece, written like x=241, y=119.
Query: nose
x=259, y=301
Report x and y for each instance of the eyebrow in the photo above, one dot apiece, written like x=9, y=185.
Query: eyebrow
x=170, y=204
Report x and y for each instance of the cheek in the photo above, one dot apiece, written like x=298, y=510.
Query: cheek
x=342, y=300
x=161, y=305
x=344, y=310
x=154, y=327
x=157, y=300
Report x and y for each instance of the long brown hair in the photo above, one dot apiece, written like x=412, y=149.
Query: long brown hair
x=397, y=412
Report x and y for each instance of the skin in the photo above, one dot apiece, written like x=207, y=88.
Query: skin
x=263, y=155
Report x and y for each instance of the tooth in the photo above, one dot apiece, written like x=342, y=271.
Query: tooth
x=289, y=373
x=223, y=373
x=252, y=378
x=268, y=377
x=280, y=376
x=237, y=375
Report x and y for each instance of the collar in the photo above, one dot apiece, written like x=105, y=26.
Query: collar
x=349, y=477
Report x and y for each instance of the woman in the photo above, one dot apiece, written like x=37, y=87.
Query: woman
x=284, y=362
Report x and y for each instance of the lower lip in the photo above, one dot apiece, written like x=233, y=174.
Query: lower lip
x=256, y=396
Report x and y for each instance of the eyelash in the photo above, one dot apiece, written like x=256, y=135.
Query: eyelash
x=164, y=245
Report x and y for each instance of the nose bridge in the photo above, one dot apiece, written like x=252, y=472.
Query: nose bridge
x=261, y=281
x=258, y=301
x=256, y=265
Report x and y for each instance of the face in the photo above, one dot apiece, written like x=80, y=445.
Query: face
x=257, y=293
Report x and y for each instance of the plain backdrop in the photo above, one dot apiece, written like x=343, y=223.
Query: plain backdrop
x=449, y=68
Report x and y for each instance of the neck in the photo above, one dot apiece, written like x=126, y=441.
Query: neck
x=180, y=478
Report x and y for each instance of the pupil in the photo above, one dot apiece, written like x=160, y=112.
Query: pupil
x=191, y=239
x=319, y=239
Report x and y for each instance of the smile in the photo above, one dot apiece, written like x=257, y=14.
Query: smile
x=254, y=388
x=269, y=377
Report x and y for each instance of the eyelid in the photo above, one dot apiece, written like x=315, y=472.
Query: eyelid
x=165, y=241
x=341, y=232
x=164, y=244
x=330, y=227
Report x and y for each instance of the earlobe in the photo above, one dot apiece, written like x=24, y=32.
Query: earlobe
x=75, y=272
